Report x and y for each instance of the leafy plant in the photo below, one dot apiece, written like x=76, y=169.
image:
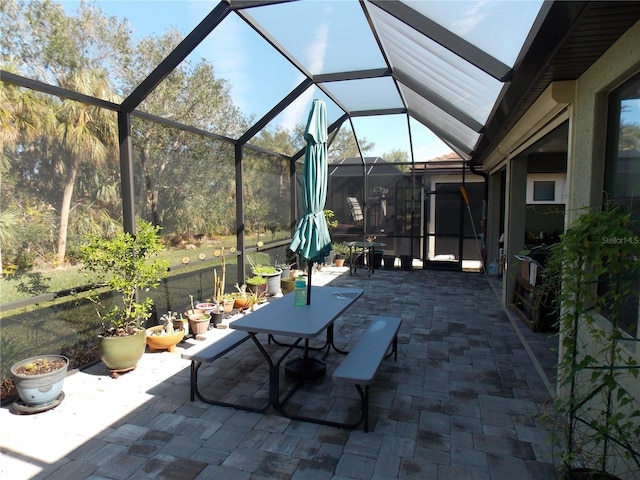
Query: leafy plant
x=124, y=264
x=341, y=248
x=596, y=266
x=256, y=280
x=264, y=270
x=259, y=269
x=332, y=223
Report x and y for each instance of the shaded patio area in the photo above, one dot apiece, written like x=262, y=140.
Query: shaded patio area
x=458, y=403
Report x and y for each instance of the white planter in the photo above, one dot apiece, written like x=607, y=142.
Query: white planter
x=43, y=388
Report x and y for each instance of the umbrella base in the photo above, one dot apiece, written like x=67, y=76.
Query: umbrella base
x=305, y=369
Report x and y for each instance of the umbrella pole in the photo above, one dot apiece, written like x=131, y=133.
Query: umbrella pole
x=310, y=269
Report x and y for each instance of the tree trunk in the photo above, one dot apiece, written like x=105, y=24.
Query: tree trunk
x=65, y=209
x=151, y=192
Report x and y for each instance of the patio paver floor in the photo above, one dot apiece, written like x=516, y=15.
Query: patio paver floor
x=460, y=402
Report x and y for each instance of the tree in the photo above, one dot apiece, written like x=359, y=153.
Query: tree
x=344, y=145
x=176, y=166
x=74, y=52
x=399, y=157
x=8, y=221
x=86, y=134
x=267, y=180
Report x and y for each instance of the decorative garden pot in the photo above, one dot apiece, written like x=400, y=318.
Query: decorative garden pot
x=228, y=305
x=216, y=318
x=339, y=261
x=406, y=262
x=199, y=323
x=121, y=354
x=163, y=342
x=286, y=270
x=259, y=290
x=206, y=307
x=242, y=302
x=190, y=312
x=389, y=262
x=42, y=388
x=273, y=282
x=377, y=259
x=287, y=285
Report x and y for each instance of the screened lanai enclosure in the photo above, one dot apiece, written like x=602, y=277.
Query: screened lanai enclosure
x=190, y=115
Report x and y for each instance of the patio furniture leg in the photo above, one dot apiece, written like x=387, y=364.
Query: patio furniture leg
x=364, y=405
x=274, y=372
x=195, y=391
x=330, y=341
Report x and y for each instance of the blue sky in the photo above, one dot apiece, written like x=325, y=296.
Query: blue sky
x=259, y=77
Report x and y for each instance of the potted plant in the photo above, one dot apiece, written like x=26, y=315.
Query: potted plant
x=342, y=251
x=596, y=266
x=228, y=301
x=257, y=284
x=39, y=380
x=270, y=273
x=199, y=316
x=124, y=264
x=406, y=262
x=287, y=285
x=286, y=269
x=242, y=299
x=256, y=299
x=167, y=335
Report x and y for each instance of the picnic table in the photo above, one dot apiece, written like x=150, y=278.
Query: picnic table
x=299, y=323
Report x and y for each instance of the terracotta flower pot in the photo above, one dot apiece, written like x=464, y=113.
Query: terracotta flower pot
x=163, y=342
x=190, y=312
x=228, y=305
x=242, y=302
x=199, y=323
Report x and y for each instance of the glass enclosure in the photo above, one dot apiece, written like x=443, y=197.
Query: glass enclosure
x=190, y=115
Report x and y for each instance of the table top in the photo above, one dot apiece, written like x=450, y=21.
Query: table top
x=366, y=244
x=283, y=317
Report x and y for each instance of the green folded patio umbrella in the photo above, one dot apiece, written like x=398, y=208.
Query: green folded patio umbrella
x=311, y=239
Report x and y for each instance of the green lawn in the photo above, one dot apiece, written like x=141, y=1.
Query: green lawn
x=20, y=287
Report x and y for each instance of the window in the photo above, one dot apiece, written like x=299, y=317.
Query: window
x=622, y=172
x=544, y=191
x=622, y=167
x=546, y=188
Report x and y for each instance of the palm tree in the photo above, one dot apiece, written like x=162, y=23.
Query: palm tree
x=22, y=117
x=8, y=220
x=86, y=134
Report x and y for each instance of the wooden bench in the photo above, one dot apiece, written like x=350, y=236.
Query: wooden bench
x=361, y=364
x=217, y=344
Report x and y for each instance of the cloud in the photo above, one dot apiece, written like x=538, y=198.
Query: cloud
x=227, y=48
x=317, y=51
x=469, y=19
x=315, y=56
